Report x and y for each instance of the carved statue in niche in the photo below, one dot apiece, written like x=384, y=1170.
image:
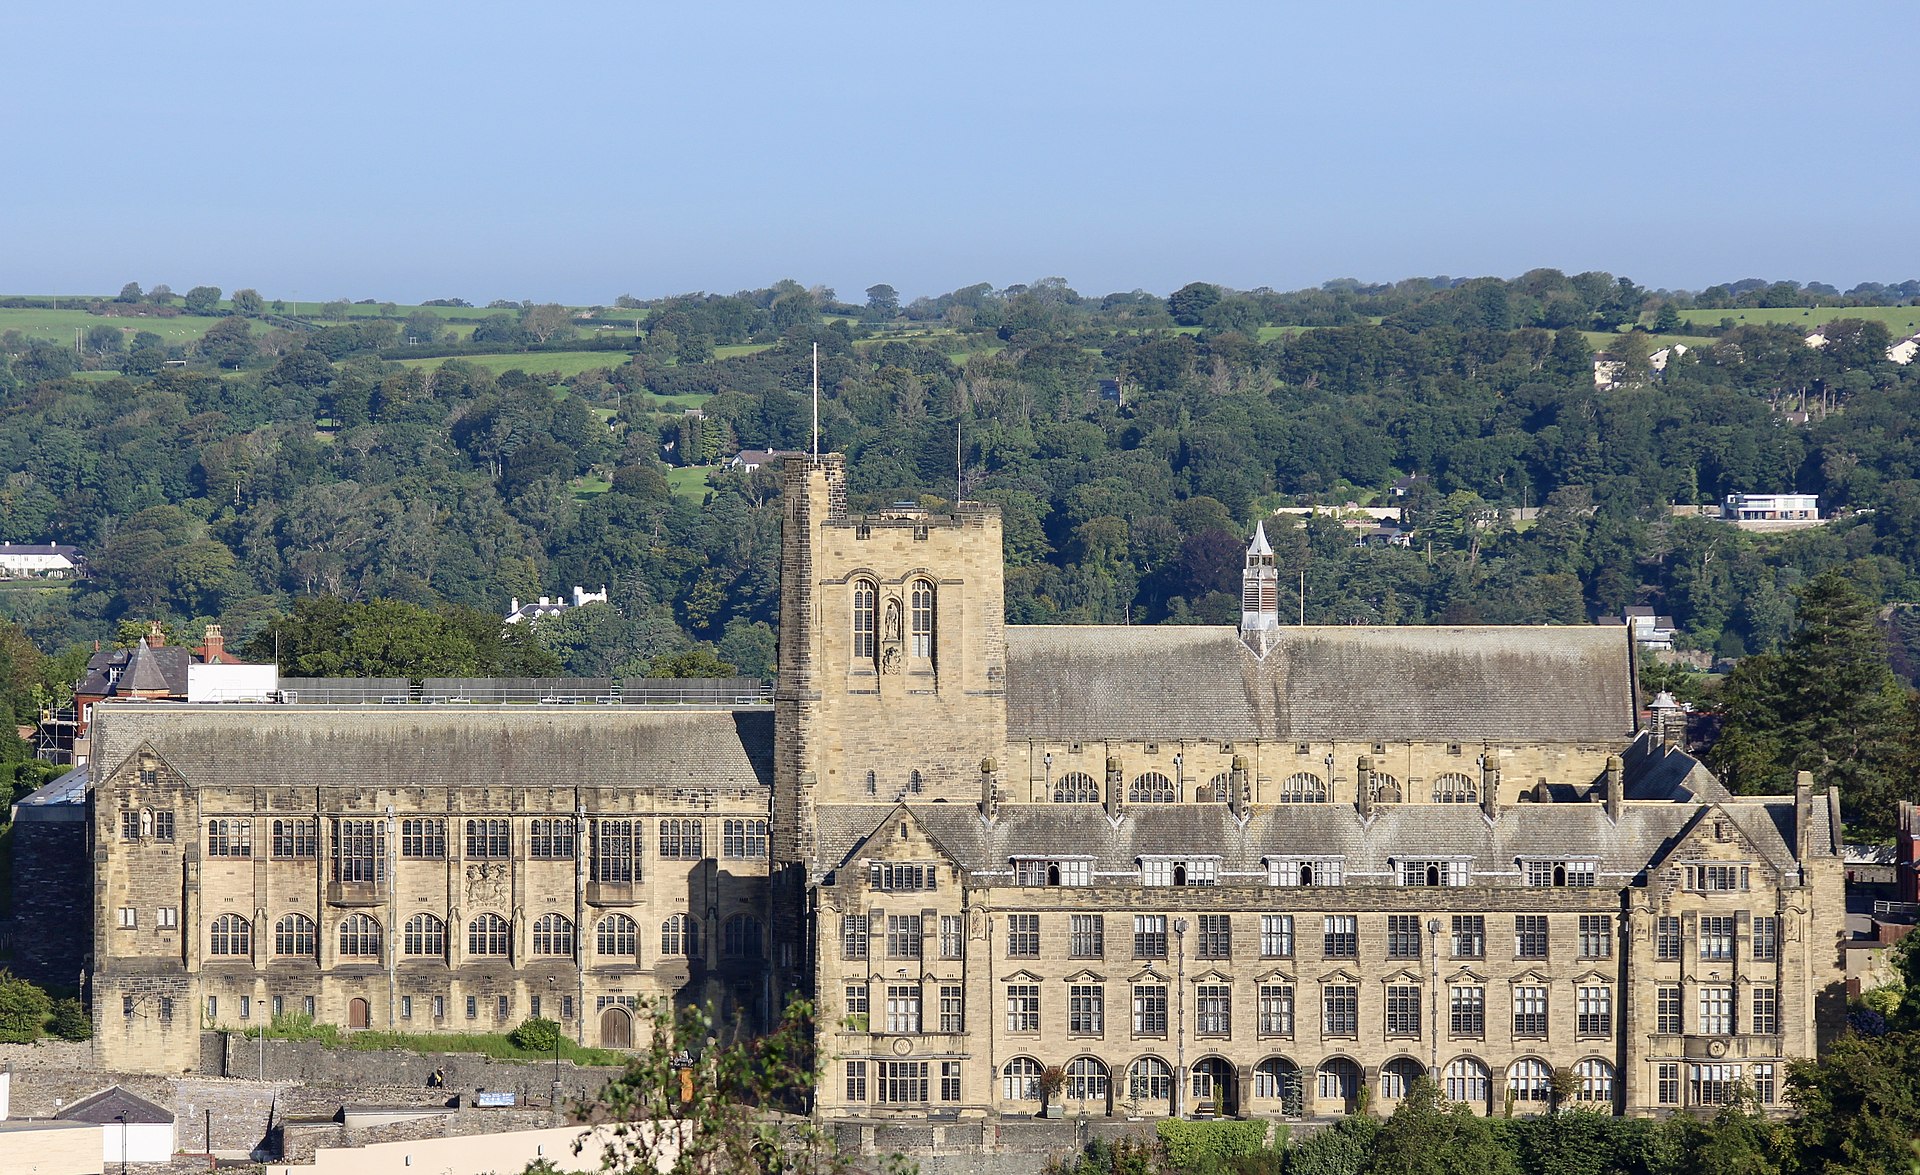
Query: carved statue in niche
x=487, y=884
x=892, y=629
x=890, y=659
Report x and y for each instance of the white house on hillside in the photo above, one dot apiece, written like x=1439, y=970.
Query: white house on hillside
x=552, y=606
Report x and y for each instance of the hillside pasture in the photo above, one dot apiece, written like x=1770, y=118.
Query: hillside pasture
x=566, y=363
x=1900, y=320
x=58, y=325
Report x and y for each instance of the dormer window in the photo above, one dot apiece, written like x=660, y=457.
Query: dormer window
x=1179, y=871
x=1310, y=871
x=1033, y=872
x=1558, y=874
x=1435, y=873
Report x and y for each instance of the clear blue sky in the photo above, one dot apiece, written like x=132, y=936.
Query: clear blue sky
x=415, y=150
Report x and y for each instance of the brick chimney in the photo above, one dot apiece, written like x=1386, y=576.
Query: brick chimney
x=213, y=646
x=156, y=639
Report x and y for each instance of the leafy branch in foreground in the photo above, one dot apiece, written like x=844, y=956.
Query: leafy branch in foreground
x=702, y=1099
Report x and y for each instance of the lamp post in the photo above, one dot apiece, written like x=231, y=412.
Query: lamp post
x=1180, y=1017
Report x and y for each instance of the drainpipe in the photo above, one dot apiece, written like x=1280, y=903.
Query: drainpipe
x=1180, y=1018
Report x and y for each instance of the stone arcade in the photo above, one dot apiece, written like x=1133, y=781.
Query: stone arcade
x=1199, y=869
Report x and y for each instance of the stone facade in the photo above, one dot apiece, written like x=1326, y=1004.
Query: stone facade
x=431, y=870
x=1197, y=869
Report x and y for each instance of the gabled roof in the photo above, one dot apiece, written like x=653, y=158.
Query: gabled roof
x=440, y=746
x=1644, y=833
x=1551, y=684
x=114, y=1104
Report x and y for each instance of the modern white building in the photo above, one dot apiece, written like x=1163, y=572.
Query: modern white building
x=1770, y=507
x=132, y=1129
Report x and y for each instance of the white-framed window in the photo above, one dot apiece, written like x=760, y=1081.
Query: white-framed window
x=1086, y=1009
x=1076, y=787
x=1276, y=1009
x=1047, y=871
x=1086, y=1080
x=1214, y=1009
x=920, y=627
x=1149, y=1079
x=1530, y=1079
x=1596, y=1080
x=1443, y=872
x=167, y=918
x=1023, y=1007
x=1467, y=1011
x=1467, y=1080
x=1593, y=1014
x=1151, y=787
x=865, y=646
x=903, y=1008
x=1020, y=1079
x=1454, y=787
x=424, y=935
x=129, y=918
x=1548, y=873
x=1306, y=871
x=1717, y=878
x=1276, y=936
x=1716, y=937
x=1716, y=1011
x=1713, y=1085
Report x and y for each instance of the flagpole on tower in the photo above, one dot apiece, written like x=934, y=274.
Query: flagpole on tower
x=816, y=403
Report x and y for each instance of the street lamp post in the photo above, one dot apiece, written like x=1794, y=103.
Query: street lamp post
x=1180, y=1017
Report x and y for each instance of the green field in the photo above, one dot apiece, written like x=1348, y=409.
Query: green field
x=1901, y=320
x=565, y=362
x=1598, y=340
x=59, y=325
x=689, y=481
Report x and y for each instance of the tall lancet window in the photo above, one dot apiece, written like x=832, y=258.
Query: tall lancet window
x=865, y=648
x=922, y=623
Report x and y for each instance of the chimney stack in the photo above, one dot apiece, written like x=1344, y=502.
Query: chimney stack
x=1115, y=788
x=156, y=638
x=1667, y=721
x=1363, y=787
x=1615, y=788
x=1803, y=816
x=1238, y=793
x=989, y=789
x=213, y=646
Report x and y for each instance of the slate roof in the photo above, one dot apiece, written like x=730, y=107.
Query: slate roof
x=1502, y=684
x=141, y=668
x=367, y=746
x=1644, y=834
x=111, y=1103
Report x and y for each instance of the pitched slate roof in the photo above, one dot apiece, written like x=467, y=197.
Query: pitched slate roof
x=1643, y=835
x=1500, y=684
x=372, y=746
x=113, y=1102
x=140, y=668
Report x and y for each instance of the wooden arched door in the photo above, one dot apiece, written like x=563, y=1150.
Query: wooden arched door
x=357, y=1013
x=616, y=1028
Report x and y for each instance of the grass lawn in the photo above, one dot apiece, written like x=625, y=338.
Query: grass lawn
x=591, y=484
x=689, y=481
x=564, y=362
x=680, y=402
x=489, y=1044
x=58, y=325
x=1599, y=340
x=732, y=350
x=1901, y=320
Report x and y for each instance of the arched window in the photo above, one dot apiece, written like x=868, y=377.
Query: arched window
x=1086, y=1080
x=1149, y=1079
x=553, y=935
x=1530, y=1080
x=1216, y=791
x=921, y=625
x=743, y=938
x=1339, y=1080
x=1455, y=788
x=1596, y=1080
x=1076, y=787
x=617, y=937
x=865, y=646
x=1277, y=1077
x=1152, y=788
x=916, y=783
x=1386, y=789
x=359, y=937
x=1468, y=1081
x=293, y=937
x=1303, y=787
x=873, y=784
x=232, y=935
x=488, y=935
x=1398, y=1075
x=424, y=936
x=680, y=935
x=1021, y=1077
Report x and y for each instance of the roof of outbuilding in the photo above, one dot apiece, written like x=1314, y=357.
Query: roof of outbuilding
x=112, y=1104
x=1503, y=684
x=1644, y=834
x=371, y=746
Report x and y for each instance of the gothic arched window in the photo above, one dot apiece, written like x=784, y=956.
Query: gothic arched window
x=1076, y=787
x=232, y=935
x=553, y=935
x=488, y=935
x=920, y=625
x=424, y=935
x=1455, y=788
x=1152, y=788
x=865, y=646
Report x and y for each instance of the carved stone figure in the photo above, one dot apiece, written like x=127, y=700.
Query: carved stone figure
x=892, y=629
x=890, y=659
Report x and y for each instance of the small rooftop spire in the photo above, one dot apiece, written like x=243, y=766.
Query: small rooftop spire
x=1260, y=545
